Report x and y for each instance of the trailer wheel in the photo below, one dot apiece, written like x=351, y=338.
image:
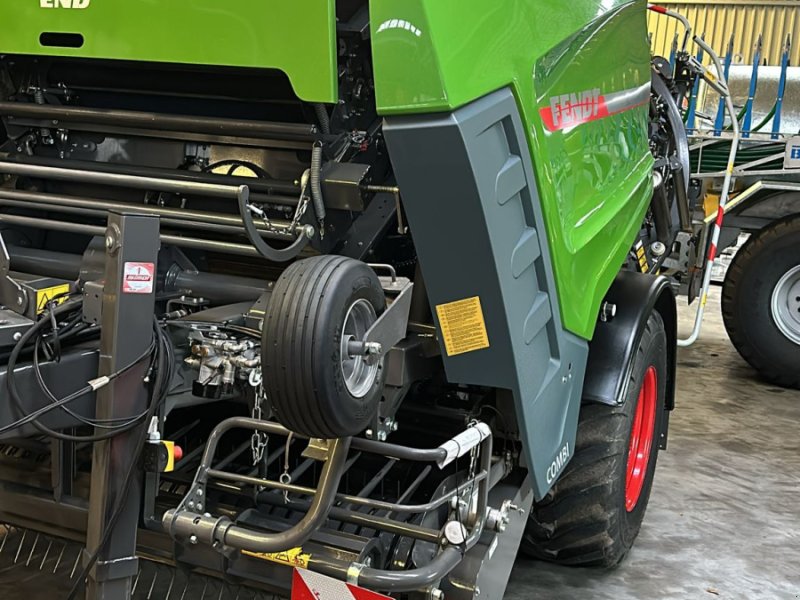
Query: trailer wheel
x=312, y=383
x=593, y=513
x=761, y=302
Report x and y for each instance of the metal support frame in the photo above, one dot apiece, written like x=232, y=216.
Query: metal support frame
x=747, y=124
x=187, y=522
x=126, y=334
x=719, y=123
x=776, y=121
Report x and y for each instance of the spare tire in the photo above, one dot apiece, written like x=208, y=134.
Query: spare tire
x=314, y=387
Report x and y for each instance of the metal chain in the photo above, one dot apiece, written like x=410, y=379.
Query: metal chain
x=302, y=205
x=259, y=439
x=286, y=477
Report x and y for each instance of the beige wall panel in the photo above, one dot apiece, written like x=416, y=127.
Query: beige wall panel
x=744, y=19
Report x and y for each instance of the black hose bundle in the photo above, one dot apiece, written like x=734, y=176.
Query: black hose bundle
x=158, y=377
x=35, y=335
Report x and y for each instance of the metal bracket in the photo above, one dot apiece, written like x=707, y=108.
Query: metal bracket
x=391, y=326
x=12, y=294
x=317, y=449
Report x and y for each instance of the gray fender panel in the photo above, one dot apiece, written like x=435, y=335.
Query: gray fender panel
x=470, y=196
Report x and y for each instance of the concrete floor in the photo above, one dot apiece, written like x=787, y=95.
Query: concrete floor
x=724, y=515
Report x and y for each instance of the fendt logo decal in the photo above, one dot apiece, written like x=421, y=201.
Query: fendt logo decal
x=570, y=110
x=64, y=3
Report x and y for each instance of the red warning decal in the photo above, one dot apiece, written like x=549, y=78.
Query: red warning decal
x=308, y=585
x=138, y=278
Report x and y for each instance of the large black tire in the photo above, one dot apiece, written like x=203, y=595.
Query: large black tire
x=592, y=515
x=302, y=350
x=766, y=259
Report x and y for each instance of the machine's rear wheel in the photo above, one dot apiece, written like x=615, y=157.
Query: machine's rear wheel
x=314, y=385
x=761, y=302
x=593, y=513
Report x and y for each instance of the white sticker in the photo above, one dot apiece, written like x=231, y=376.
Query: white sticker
x=138, y=278
x=463, y=443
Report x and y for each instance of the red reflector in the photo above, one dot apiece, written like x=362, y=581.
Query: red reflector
x=307, y=585
x=177, y=453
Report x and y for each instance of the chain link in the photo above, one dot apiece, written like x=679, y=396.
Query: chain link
x=259, y=439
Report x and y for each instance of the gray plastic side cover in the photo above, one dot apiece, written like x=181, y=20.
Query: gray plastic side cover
x=470, y=196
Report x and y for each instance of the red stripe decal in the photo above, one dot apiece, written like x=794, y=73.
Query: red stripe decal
x=658, y=9
x=712, y=253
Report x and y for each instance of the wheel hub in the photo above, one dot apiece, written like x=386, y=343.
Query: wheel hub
x=786, y=305
x=358, y=371
x=641, y=440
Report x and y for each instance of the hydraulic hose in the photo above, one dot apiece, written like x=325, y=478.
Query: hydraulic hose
x=323, y=118
x=316, y=186
x=263, y=248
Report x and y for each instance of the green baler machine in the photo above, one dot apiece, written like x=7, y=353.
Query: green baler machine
x=363, y=229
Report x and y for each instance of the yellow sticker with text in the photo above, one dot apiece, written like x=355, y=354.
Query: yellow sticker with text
x=44, y=295
x=292, y=558
x=463, y=326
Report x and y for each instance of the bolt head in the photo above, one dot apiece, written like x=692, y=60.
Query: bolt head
x=109, y=242
x=17, y=336
x=193, y=539
x=382, y=436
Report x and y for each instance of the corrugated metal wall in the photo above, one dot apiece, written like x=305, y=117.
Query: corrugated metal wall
x=744, y=19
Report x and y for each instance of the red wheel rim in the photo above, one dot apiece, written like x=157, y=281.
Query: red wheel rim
x=642, y=434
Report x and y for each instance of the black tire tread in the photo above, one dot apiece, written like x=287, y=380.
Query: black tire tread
x=575, y=524
x=754, y=247
x=293, y=321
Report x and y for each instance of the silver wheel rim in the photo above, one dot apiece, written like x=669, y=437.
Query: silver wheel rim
x=786, y=305
x=359, y=375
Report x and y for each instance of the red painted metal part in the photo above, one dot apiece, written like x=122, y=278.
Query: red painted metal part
x=308, y=585
x=642, y=439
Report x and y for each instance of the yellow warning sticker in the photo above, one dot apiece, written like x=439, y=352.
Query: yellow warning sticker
x=44, y=295
x=463, y=327
x=292, y=558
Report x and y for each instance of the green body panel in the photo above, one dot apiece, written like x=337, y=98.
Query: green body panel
x=594, y=179
x=297, y=37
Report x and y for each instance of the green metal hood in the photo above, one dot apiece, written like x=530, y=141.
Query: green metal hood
x=297, y=37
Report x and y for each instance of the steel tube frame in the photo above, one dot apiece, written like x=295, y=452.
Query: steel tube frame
x=122, y=180
x=180, y=217
x=262, y=190
x=367, y=502
x=157, y=121
x=175, y=240
x=45, y=262
x=447, y=560
x=184, y=523
x=723, y=201
x=425, y=534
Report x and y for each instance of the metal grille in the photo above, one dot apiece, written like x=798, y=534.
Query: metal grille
x=747, y=19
